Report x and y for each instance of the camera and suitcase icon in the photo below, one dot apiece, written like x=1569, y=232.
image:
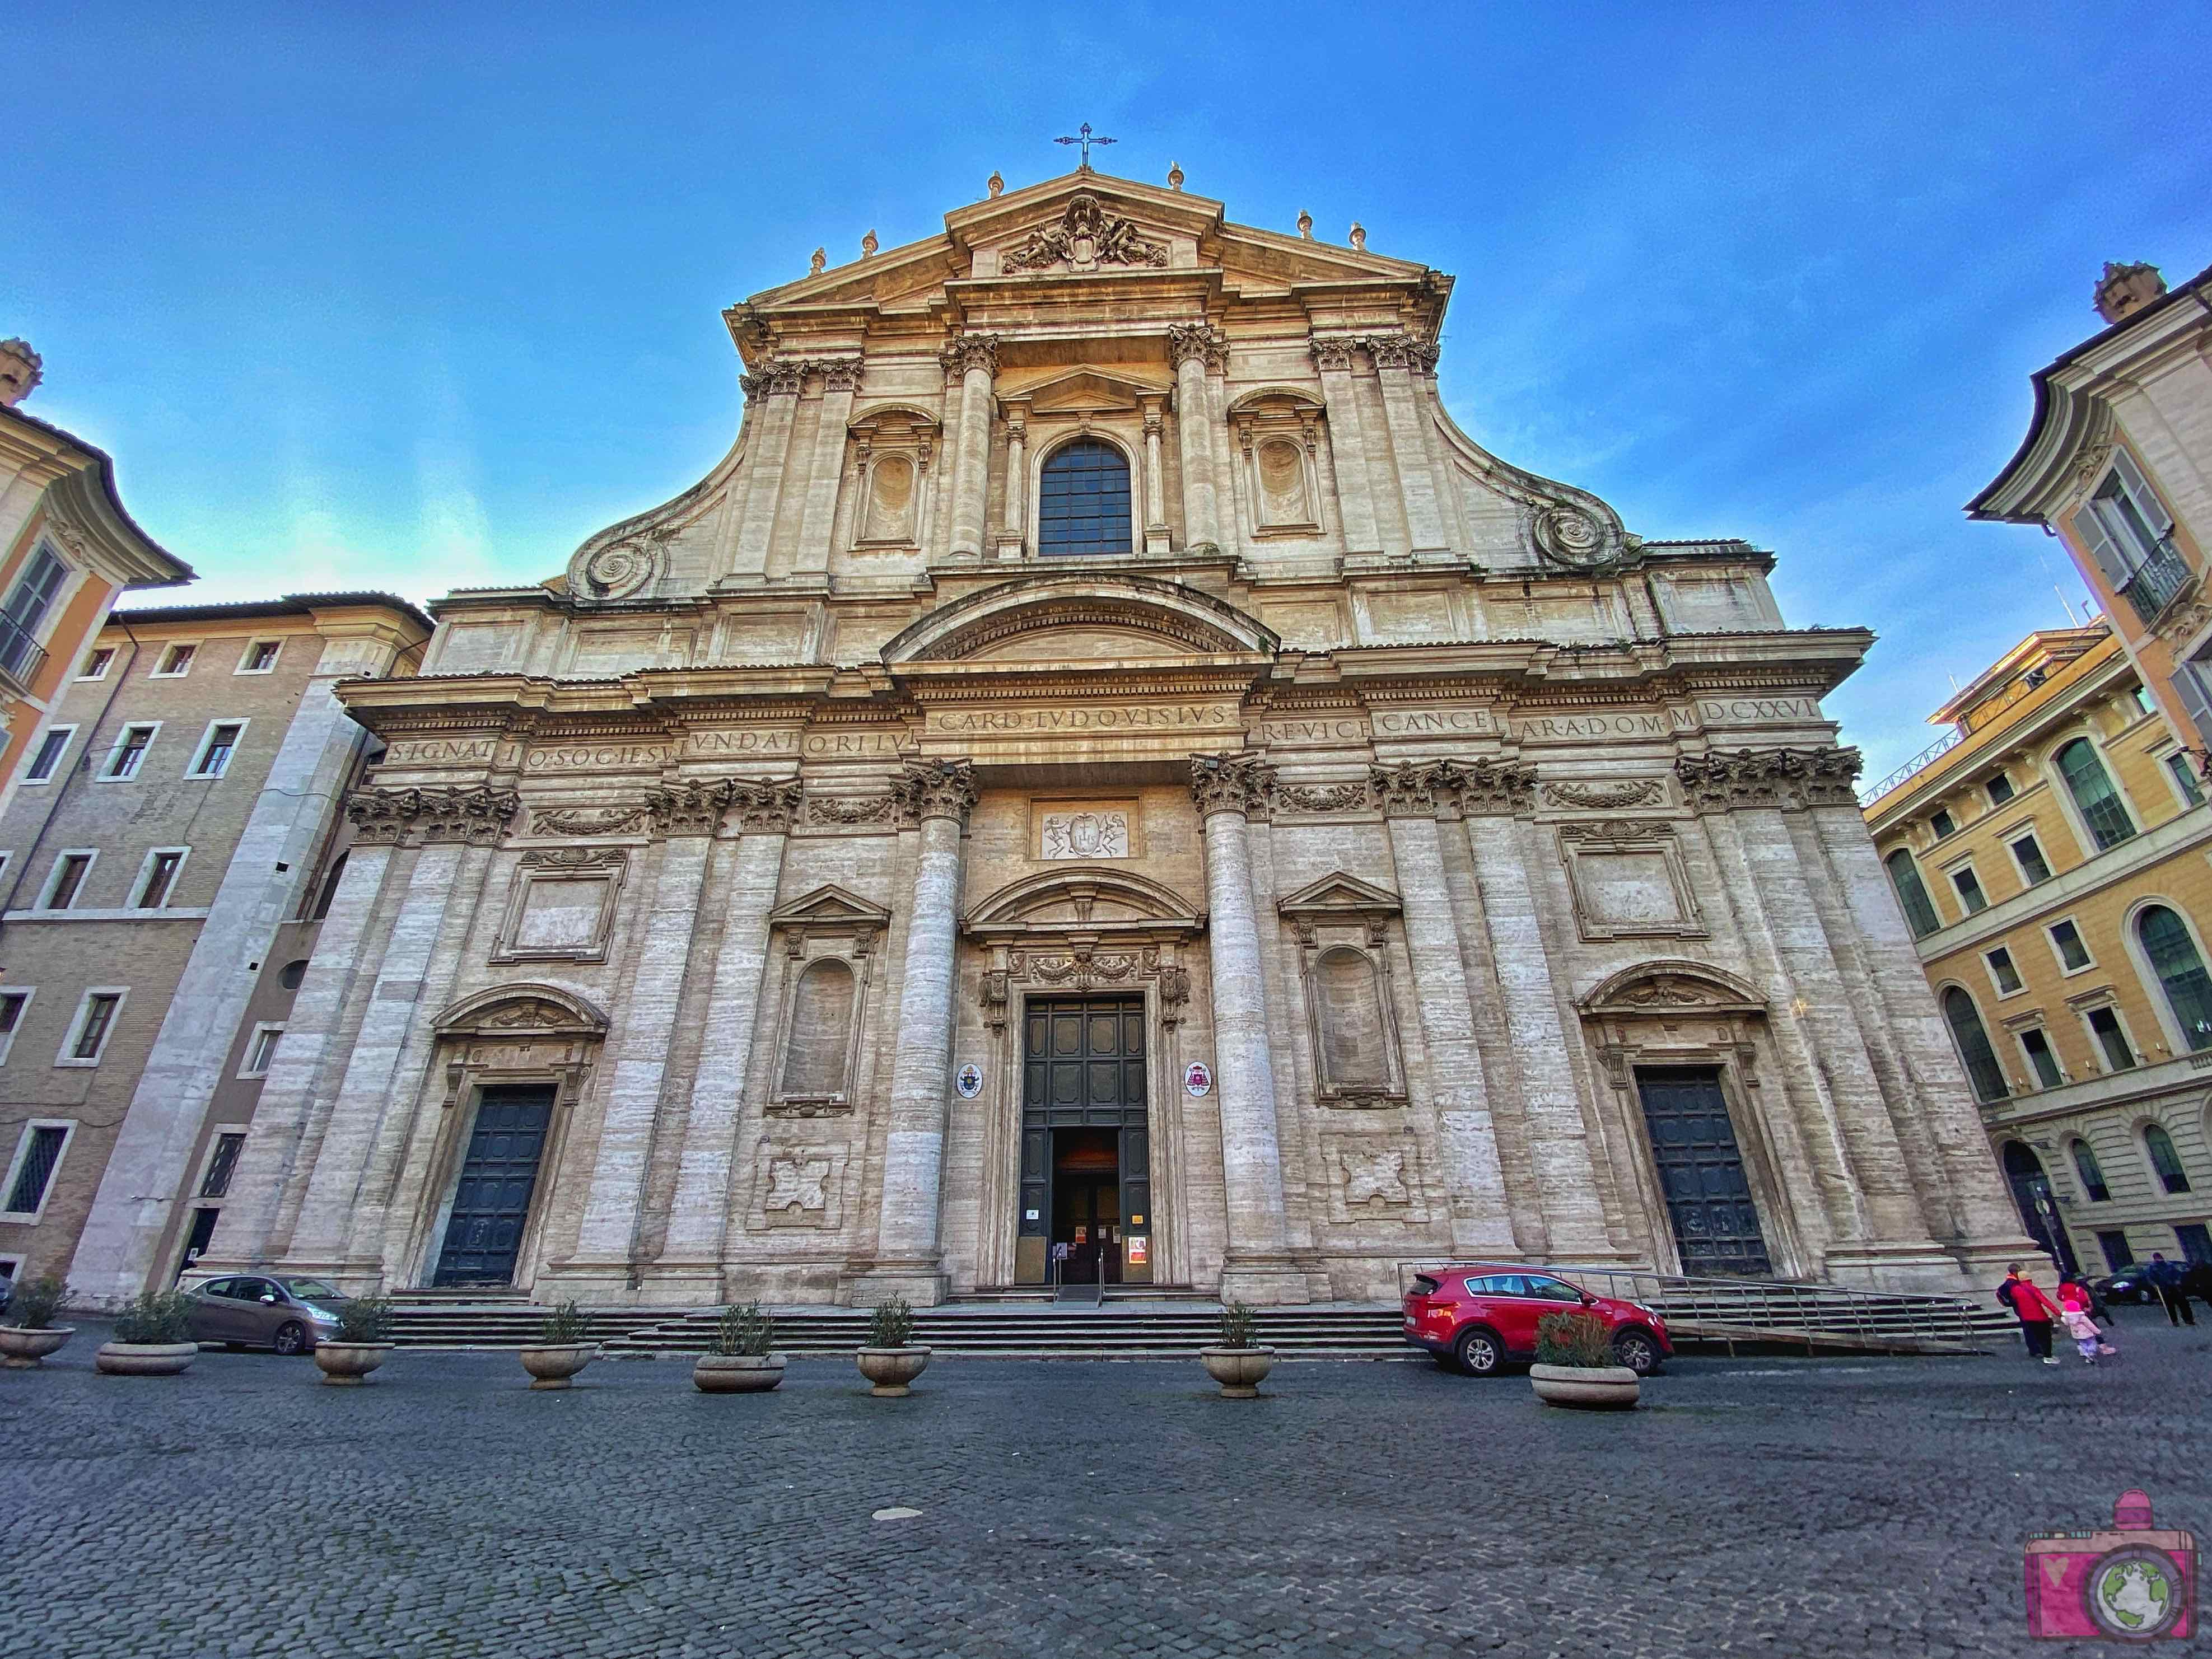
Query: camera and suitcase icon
x=2133, y=1581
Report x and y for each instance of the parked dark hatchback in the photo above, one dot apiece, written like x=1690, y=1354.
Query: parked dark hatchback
x=282, y=1311
x=1480, y=1317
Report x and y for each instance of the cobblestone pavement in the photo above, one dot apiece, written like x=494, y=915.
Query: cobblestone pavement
x=1785, y=1507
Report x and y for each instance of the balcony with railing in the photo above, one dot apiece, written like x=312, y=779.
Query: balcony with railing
x=21, y=657
x=2157, y=583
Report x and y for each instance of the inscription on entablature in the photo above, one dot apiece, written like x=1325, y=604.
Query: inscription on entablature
x=857, y=746
x=1739, y=711
x=1343, y=728
x=1581, y=728
x=1047, y=722
x=745, y=740
x=440, y=751
x=1436, y=723
x=600, y=758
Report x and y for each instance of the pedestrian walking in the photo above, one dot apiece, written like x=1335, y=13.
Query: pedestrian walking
x=2074, y=1305
x=2165, y=1279
x=2033, y=1310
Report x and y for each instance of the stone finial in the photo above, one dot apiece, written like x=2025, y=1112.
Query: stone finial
x=1359, y=236
x=994, y=183
x=1305, y=224
x=821, y=258
x=20, y=370
x=1175, y=175
x=869, y=245
x=2123, y=290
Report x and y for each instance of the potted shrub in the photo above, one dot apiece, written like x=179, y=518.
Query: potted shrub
x=891, y=1360
x=364, y=1338
x=1576, y=1364
x=560, y=1351
x=153, y=1337
x=1237, y=1362
x=740, y=1361
x=30, y=1334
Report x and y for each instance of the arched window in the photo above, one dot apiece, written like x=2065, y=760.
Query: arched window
x=2092, y=1173
x=2101, y=807
x=820, y=1032
x=1981, y=1061
x=2180, y=970
x=1082, y=501
x=2165, y=1159
x=1905, y=876
x=1351, y=1052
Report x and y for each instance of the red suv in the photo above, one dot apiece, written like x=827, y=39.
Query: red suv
x=1479, y=1317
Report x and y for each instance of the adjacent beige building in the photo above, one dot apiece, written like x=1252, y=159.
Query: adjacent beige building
x=2053, y=854
x=163, y=858
x=1106, y=778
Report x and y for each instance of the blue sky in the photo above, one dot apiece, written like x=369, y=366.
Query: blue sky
x=420, y=296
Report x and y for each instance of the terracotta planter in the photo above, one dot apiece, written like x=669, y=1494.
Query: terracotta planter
x=346, y=1364
x=889, y=1369
x=22, y=1345
x=1238, y=1369
x=737, y=1373
x=1590, y=1387
x=551, y=1367
x=145, y=1358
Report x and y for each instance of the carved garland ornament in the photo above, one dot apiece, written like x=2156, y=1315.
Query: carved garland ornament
x=864, y=809
x=475, y=818
x=1088, y=234
x=1323, y=797
x=1606, y=797
x=585, y=820
x=1772, y=778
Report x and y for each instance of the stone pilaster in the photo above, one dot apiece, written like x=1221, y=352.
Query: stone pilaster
x=1189, y=343
x=971, y=362
x=1347, y=444
x=1398, y=358
x=1156, y=480
x=1258, y=1267
x=908, y=1247
x=840, y=381
x=772, y=396
x=1014, y=523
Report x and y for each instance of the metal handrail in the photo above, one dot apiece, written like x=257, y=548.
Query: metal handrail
x=21, y=656
x=1920, y=763
x=2157, y=583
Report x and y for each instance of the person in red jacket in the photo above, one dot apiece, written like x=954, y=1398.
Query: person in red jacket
x=2034, y=1311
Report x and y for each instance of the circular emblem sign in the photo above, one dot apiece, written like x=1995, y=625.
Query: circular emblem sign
x=2134, y=1593
x=1198, y=1079
x=969, y=1081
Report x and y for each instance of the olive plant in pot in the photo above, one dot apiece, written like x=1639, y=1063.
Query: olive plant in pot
x=1576, y=1364
x=561, y=1350
x=30, y=1334
x=153, y=1337
x=740, y=1362
x=890, y=1359
x=363, y=1338
x=1237, y=1362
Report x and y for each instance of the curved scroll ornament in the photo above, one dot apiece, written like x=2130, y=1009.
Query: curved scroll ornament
x=621, y=569
x=1567, y=535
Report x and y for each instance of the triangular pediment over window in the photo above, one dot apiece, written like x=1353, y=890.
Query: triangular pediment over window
x=1340, y=896
x=830, y=909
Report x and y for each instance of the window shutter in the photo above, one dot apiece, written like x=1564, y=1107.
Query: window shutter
x=2189, y=686
x=2146, y=500
x=2100, y=545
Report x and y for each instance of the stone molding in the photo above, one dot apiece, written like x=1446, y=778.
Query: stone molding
x=474, y=817
x=1244, y=784
x=937, y=789
x=1088, y=234
x=604, y=868
x=965, y=352
x=1773, y=778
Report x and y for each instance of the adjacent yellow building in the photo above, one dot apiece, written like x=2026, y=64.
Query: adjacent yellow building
x=2053, y=858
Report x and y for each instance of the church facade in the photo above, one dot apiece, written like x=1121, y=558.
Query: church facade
x=1104, y=780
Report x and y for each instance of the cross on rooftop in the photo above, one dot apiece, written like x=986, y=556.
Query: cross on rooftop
x=1086, y=139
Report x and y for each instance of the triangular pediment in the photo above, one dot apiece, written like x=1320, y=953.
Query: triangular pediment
x=1083, y=390
x=1341, y=896
x=831, y=908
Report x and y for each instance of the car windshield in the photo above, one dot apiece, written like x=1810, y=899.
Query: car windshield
x=314, y=1289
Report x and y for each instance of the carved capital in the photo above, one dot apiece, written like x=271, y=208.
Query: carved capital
x=937, y=789
x=1496, y=789
x=766, y=807
x=1244, y=784
x=1202, y=341
x=1415, y=789
x=1398, y=351
x=838, y=374
x=685, y=808
x=475, y=817
x=967, y=353
x=1774, y=779
x=1331, y=353
x=779, y=377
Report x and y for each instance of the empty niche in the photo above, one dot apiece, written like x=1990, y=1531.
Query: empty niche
x=817, y=1049
x=890, y=500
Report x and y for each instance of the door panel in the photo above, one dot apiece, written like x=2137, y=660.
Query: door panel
x=1082, y=1066
x=491, y=1202
x=1701, y=1169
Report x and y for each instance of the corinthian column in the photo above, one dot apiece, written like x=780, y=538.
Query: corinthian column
x=938, y=793
x=1258, y=1267
x=973, y=360
x=1189, y=344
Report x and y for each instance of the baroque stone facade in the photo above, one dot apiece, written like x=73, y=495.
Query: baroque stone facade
x=1106, y=779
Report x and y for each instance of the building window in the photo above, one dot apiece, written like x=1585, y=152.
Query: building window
x=2034, y=868
x=47, y=756
x=2135, y=703
x=95, y=1023
x=2196, y=1242
x=160, y=876
x=2087, y=781
x=1980, y=1060
x=12, y=1005
x=2002, y=971
x=2000, y=789
x=2174, y=958
x=70, y=872
x=2037, y=1045
x=176, y=662
x=25, y=611
x=2111, y=1040
x=1940, y=823
x=260, y=657
x=31, y=1175
x=294, y=974
x=814, y=1059
x=2092, y=1173
x=1970, y=889
x=2129, y=534
x=2185, y=779
x=130, y=752
x=260, y=1049
x=216, y=748
x=1082, y=501
x=2118, y=1255
x=97, y=663
x=2164, y=1158
x=1911, y=894
x=2066, y=939
x=221, y=1162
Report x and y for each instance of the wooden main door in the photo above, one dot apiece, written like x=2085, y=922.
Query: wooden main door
x=1701, y=1166
x=1082, y=1104
x=491, y=1203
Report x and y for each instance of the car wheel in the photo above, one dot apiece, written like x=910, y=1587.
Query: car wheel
x=1479, y=1352
x=1638, y=1351
x=291, y=1337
